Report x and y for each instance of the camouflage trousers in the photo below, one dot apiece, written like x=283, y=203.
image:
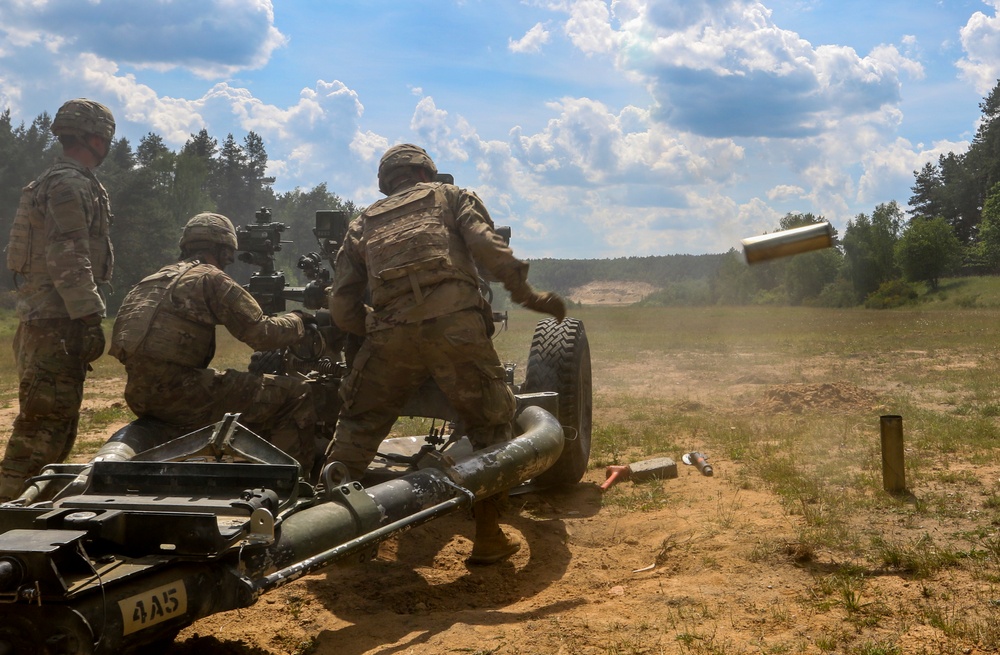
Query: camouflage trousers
x=455, y=351
x=279, y=409
x=51, y=373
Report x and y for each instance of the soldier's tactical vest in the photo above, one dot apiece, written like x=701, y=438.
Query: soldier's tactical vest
x=26, y=249
x=150, y=325
x=412, y=234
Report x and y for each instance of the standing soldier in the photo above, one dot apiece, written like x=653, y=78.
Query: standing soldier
x=164, y=334
x=417, y=252
x=60, y=245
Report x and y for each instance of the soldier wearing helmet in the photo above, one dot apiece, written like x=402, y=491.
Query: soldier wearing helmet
x=417, y=253
x=60, y=251
x=164, y=334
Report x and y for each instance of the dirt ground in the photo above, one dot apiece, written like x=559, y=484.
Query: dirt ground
x=709, y=567
x=591, y=579
x=611, y=293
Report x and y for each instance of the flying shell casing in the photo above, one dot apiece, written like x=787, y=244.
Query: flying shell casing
x=788, y=242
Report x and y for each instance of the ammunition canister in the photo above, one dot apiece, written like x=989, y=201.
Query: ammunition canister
x=788, y=242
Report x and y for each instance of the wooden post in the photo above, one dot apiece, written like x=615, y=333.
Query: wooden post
x=893, y=468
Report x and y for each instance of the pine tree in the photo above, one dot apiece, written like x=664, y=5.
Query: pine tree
x=926, y=199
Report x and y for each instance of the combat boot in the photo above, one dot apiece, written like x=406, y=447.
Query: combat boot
x=490, y=545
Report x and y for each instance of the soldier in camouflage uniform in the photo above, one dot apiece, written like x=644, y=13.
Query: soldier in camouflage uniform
x=61, y=248
x=164, y=334
x=417, y=251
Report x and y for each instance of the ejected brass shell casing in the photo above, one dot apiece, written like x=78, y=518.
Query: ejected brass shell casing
x=788, y=242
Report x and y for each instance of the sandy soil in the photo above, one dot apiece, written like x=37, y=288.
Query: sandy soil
x=611, y=293
x=708, y=566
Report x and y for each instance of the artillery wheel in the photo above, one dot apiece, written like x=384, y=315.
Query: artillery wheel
x=559, y=361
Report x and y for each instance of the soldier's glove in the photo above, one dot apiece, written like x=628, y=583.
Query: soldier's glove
x=91, y=339
x=267, y=362
x=546, y=302
x=307, y=318
x=314, y=295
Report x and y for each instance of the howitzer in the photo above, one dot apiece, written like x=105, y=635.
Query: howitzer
x=159, y=530
x=156, y=542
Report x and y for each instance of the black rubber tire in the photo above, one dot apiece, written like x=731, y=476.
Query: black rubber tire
x=559, y=361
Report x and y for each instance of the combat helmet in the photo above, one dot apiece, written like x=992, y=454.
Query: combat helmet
x=208, y=228
x=81, y=117
x=398, y=156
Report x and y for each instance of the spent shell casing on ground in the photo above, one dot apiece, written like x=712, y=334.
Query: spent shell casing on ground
x=788, y=242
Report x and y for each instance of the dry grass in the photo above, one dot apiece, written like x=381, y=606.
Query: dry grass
x=786, y=401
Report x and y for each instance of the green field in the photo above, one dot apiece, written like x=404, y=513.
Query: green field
x=789, y=400
x=786, y=402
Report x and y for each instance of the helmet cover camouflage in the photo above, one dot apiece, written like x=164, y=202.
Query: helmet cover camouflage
x=206, y=228
x=81, y=117
x=404, y=154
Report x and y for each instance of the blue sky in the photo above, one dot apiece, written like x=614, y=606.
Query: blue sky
x=593, y=128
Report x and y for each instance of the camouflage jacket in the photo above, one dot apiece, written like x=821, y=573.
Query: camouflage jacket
x=170, y=316
x=431, y=292
x=61, y=243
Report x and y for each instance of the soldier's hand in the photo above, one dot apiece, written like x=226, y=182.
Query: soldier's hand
x=267, y=362
x=547, y=302
x=307, y=318
x=92, y=339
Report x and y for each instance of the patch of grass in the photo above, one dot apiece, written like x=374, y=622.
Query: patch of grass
x=101, y=417
x=934, y=364
x=637, y=497
x=876, y=648
x=728, y=510
x=294, y=645
x=828, y=643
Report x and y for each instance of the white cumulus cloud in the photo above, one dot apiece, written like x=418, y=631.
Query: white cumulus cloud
x=981, y=41
x=531, y=42
x=212, y=38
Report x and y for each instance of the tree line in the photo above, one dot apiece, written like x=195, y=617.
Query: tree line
x=882, y=259
x=155, y=190
x=879, y=261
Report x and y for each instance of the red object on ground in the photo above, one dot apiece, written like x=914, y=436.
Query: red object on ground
x=615, y=474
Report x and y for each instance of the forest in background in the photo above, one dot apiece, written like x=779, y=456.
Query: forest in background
x=154, y=191
x=884, y=258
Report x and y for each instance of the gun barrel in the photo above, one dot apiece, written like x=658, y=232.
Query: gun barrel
x=121, y=603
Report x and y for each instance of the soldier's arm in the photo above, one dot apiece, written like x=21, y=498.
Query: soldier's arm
x=487, y=247
x=69, y=212
x=347, y=298
x=236, y=309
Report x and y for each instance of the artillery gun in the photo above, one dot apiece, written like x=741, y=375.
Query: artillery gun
x=157, y=531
